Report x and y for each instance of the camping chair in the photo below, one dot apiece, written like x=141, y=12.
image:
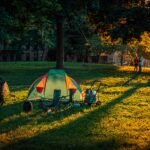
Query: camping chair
x=53, y=102
x=56, y=97
x=71, y=94
x=91, y=95
x=87, y=96
x=67, y=101
x=63, y=102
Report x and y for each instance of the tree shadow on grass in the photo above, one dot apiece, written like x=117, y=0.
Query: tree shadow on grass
x=23, y=119
x=132, y=78
x=12, y=124
x=10, y=110
x=80, y=127
x=77, y=134
x=12, y=114
x=107, y=144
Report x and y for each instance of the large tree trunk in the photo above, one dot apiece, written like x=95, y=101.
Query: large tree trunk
x=60, y=42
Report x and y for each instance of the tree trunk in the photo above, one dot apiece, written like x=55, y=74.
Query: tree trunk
x=140, y=65
x=60, y=42
x=44, y=54
x=140, y=69
x=121, y=61
x=86, y=56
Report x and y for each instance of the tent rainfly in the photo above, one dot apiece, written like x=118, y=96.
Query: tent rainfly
x=44, y=86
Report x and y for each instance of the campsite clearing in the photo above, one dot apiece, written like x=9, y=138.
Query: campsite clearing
x=121, y=122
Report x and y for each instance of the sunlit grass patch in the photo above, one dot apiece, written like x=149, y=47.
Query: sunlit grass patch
x=115, y=81
x=16, y=96
x=131, y=69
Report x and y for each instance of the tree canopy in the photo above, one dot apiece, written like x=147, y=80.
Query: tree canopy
x=122, y=21
x=33, y=23
x=27, y=22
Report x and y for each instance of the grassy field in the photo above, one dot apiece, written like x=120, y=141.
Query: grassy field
x=122, y=122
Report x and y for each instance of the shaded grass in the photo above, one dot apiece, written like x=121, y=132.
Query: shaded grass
x=18, y=74
x=121, y=122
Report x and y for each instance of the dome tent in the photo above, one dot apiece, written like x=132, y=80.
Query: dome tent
x=45, y=86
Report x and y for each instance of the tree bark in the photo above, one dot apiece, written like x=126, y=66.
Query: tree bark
x=122, y=59
x=140, y=69
x=60, y=42
x=140, y=65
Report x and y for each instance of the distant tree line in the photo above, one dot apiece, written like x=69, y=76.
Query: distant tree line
x=89, y=25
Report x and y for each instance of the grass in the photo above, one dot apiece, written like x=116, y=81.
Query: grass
x=122, y=122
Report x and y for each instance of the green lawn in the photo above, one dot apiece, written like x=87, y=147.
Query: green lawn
x=122, y=122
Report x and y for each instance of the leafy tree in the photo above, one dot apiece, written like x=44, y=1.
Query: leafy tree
x=118, y=20
x=20, y=18
x=145, y=43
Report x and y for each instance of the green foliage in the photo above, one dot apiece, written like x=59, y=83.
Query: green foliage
x=32, y=23
x=76, y=33
x=24, y=20
x=98, y=46
x=123, y=23
x=118, y=21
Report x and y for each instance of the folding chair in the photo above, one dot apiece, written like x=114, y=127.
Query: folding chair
x=56, y=97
